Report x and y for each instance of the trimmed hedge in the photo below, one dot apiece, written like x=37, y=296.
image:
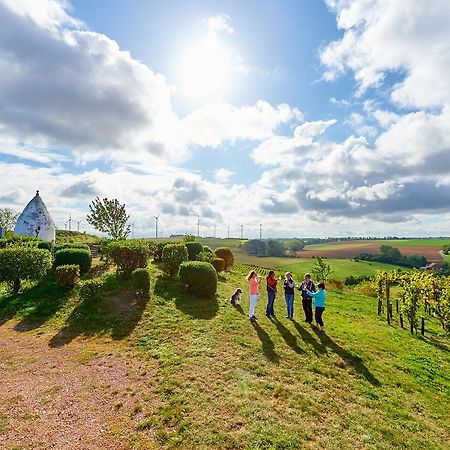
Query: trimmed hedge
x=173, y=256
x=206, y=257
x=158, y=251
x=141, y=281
x=128, y=256
x=199, y=277
x=45, y=245
x=65, y=245
x=227, y=255
x=194, y=249
x=207, y=249
x=79, y=256
x=91, y=289
x=218, y=264
x=67, y=276
x=19, y=263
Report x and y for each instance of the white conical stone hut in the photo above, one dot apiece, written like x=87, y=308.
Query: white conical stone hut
x=36, y=221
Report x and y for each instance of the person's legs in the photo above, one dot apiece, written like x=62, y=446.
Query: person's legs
x=309, y=310
x=290, y=302
x=253, y=300
x=318, y=313
x=270, y=301
x=286, y=298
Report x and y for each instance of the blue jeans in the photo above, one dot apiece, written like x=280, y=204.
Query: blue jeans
x=270, y=300
x=318, y=314
x=290, y=305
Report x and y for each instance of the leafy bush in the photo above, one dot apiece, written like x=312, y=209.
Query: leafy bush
x=91, y=289
x=321, y=270
x=18, y=263
x=141, y=281
x=199, y=277
x=275, y=247
x=128, y=256
x=218, y=264
x=207, y=249
x=45, y=245
x=335, y=283
x=158, y=253
x=67, y=276
x=206, y=257
x=24, y=241
x=173, y=256
x=227, y=255
x=152, y=245
x=353, y=280
x=71, y=245
x=105, y=250
x=392, y=255
x=78, y=256
x=194, y=249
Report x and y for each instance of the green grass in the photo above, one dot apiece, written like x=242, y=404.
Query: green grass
x=394, y=243
x=341, y=267
x=223, y=382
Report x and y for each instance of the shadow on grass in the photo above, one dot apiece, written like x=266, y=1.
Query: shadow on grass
x=114, y=314
x=33, y=306
x=268, y=346
x=326, y=343
x=239, y=309
x=288, y=337
x=171, y=289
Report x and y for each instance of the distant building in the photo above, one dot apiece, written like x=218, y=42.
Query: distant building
x=36, y=221
x=432, y=266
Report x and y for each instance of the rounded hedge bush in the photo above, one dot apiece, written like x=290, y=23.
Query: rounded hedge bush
x=45, y=245
x=65, y=245
x=227, y=255
x=141, y=281
x=91, y=289
x=206, y=257
x=158, y=251
x=128, y=255
x=173, y=256
x=18, y=263
x=79, y=256
x=67, y=276
x=208, y=249
x=194, y=249
x=199, y=277
x=218, y=264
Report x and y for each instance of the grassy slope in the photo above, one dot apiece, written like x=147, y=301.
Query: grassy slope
x=75, y=236
x=225, y=383
x=395, y=243
x=341, y=267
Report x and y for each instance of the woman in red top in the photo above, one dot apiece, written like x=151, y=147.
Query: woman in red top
x=271, y=292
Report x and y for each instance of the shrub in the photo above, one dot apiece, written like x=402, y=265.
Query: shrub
x=18, y=239
x=227, y=255
x=45, y=245
x=141, y=281
x=105, y=250
x=152, y=245
x=71, y=245
x=173, y=256
x=67, y=276
x=194, y=249
x=91, y=289
x=218, y=264
x=128, y=256
x=78, y=256
x=353, y=280
x=335, y=283
x=199, y=277
x=207, y=249
x=206, y=257
x=157, y=254
x=18, y=263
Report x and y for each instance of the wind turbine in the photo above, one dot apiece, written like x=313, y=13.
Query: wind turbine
x=156, y=226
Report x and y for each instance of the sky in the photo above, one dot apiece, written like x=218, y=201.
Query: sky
x=312, y=118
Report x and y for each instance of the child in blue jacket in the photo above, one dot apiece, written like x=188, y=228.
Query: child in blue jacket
x=320, y=298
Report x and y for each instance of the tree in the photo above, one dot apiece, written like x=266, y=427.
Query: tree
x=295, y=245
x=8, y=218
x=275, y=248
x=321, y=270
x=256, y=247
x=109, y=216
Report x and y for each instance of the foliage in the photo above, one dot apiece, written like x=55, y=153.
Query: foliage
x=109, y=216
x=45, y=245
x=128, y=255
x=194, y=249
x=207, y=249
x=206, y=256
x=79, y=256
x=21, y=240
x=173, y=255
x=18, y=263
x=446, y=249
x=67, y=275
x=321, y=270
x=8, y=218
x=275, y=247
x=65, y=245
x=152, y=246
x=90, y=290
x=199, y=277
x=295, y=245
x=391, y=255
x=227, y=255
x=353, y=280
x=141, y=281
x=218, y=264
x=158, y=252
x=188, y=238
x=335, y=284
x=256, y=247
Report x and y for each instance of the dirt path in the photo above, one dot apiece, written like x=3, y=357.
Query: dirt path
x=72, y=397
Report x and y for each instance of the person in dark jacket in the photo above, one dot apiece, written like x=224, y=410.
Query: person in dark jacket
x=289, y=285
x=307, y=285
x=271, y=293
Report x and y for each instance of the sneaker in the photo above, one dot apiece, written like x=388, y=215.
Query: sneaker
x=253, y=318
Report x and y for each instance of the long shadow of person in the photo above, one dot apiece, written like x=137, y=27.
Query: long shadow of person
x=268, y=346
x=307, y=337
x=288, y=337
x=239, y=308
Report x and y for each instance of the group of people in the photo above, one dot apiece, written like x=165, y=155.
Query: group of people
x=306, y=288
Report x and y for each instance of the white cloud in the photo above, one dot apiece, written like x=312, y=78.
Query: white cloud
x=223, y=175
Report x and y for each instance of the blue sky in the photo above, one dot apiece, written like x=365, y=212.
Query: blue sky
x=316, y=118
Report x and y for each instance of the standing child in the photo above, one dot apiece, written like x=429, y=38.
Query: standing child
x=271, y=292
x=306, y=299
x=254, y=282
x=320, y=298
x=289, y=294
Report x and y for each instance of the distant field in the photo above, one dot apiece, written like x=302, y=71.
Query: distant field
x=430, y=248
x=298, y=266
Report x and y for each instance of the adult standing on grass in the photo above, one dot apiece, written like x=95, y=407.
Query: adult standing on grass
x=254, y=281
x=320, y=298
x=288, y=285
x=271, y=292
x=307, y=285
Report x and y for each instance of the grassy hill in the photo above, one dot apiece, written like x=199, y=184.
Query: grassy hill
x=75, y=236
x=222, y=382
